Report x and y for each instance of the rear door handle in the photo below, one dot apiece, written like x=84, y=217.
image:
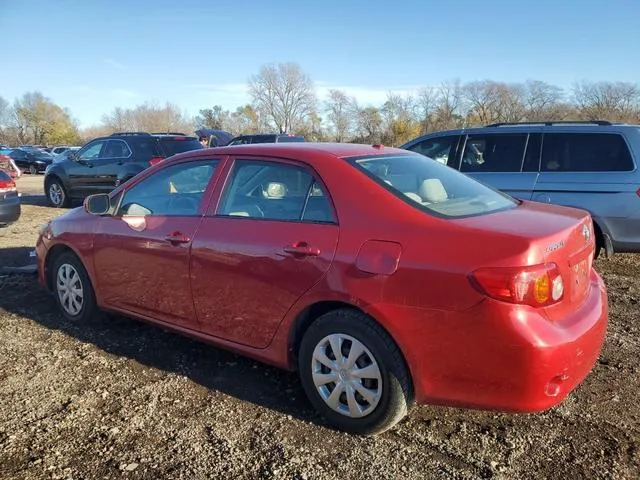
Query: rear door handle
x=300, y=249
x=177, y=238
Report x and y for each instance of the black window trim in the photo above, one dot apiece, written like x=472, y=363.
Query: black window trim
x=121, y=141
x=315, y=177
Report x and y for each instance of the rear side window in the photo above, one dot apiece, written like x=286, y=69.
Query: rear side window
x=585, y=152
x=441, y=149
x=173, y=146
x=287, y=138
x=493, y=153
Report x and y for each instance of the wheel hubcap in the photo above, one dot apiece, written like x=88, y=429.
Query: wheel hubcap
x=346, y=375
x=70, y=291
x=55, y=193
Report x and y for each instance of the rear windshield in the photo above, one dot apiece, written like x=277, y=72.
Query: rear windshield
x=432, y=186
x=173, y=146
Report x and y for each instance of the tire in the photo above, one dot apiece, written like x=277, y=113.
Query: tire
x=33, y=170
x=68, y=272
x=389, y=390
x=56, y=193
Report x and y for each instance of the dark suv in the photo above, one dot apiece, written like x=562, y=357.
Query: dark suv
x=266, y=138
x=106, y=162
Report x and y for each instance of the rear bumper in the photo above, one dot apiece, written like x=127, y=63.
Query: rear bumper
x=9, y=210
x=498, y=356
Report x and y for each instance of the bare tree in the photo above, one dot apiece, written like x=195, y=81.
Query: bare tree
x=541, y=100
x=148, y=117
x=619, y=101
x=369, y=125
x=425, y=108
x=448, y=112
x=340, y=112
x=285, y=94
x=215, y=118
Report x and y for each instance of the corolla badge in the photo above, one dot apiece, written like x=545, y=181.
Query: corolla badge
x=586, y=233
x=552, y=247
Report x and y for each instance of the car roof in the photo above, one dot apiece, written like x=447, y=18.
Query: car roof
x=308, y=150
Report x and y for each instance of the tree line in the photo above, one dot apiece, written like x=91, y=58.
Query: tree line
x=284, y=99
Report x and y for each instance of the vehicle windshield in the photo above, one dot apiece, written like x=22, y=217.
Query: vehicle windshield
x=431, y=186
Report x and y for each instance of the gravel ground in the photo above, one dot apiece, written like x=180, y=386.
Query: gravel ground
x=121, y=399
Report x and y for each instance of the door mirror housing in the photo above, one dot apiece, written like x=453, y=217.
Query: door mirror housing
x=98, y=204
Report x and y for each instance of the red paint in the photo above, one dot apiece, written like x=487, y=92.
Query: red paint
x=242, y=283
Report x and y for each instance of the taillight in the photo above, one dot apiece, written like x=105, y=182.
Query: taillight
x=7, y=186
x=537, y=286
x=155, y=160
x=638, y=192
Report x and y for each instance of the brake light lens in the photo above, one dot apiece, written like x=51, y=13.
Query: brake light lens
x=537, y=286
x=155, y=160
x=7, y=186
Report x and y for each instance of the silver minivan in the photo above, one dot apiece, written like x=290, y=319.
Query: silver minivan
x=588, y=165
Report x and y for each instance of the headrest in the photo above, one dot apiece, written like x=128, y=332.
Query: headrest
x=432, y=191
x=276, y=190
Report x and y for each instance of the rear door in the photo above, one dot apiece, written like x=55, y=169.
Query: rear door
x=505, y=161
x=115, y=155
x=272, y=238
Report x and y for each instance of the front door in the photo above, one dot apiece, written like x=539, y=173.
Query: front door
x=141, y=254
x=272, y=239
x=84, y=171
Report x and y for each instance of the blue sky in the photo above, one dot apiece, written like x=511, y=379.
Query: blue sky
x=92, y=56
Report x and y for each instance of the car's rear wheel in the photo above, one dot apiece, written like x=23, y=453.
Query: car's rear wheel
x=72, y=288
x=33, y=170
x=56, y=193
x=353, y=373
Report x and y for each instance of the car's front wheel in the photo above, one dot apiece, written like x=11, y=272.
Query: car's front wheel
x=353, y=373
x=56, y=193
x=72, y=288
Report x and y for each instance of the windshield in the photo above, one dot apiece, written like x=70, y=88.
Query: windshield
x=433, y=187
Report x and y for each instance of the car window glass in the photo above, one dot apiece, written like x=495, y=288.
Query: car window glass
x=275, y=191
x=585, y=152
x=441, y=149
x=493, y=153
x=431, y=186
x=175, y=190
x=91, y=151
x=116, y=149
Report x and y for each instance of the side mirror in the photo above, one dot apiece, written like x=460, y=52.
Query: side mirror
x=73, y=156
x=98, y=204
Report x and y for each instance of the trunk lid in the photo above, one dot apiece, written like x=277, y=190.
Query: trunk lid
x=555, y=234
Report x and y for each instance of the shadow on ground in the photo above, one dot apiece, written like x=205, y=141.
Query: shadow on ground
x=157, y=348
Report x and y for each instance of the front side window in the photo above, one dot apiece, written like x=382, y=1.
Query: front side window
x=431, y=186
x=441, y=149
x=177, y=190
x=585, y=152
x=91, y=151
x=275, y=191
x=493, y=153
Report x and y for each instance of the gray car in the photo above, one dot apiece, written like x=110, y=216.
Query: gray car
x=589, y=165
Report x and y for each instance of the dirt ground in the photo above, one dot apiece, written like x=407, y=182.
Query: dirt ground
x=121, y=399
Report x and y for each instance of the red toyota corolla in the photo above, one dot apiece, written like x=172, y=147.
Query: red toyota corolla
x=382, y=276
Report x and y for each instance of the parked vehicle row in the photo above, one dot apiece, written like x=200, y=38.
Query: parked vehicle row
x=588, y=165
x=382, y=276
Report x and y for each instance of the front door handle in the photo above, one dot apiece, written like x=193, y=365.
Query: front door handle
x=301, y=249
x=177, y=238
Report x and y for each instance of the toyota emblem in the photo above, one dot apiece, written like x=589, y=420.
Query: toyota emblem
x=586, y=233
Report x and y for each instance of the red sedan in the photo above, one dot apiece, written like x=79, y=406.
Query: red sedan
x=382, y=276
